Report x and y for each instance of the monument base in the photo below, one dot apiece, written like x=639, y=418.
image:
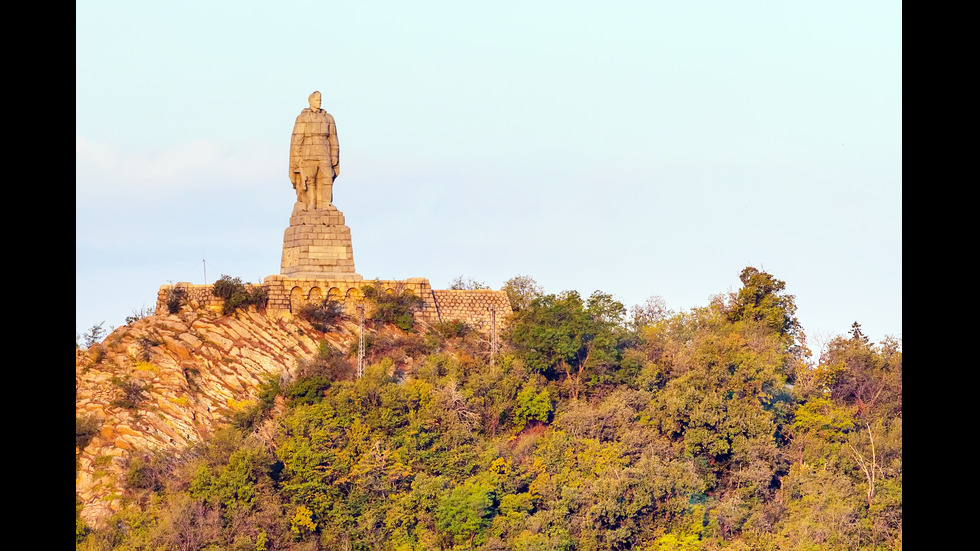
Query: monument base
x=317, y=244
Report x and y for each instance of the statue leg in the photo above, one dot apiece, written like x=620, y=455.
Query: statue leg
x=324, y=188
x=325, y=191
x=307, y=195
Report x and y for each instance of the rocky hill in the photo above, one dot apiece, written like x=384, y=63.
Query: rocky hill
x=167, y=382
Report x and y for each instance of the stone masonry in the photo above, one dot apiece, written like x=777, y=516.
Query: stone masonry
x=317, y=245
x=317, y=252
x=471, y=307
x=289, y=294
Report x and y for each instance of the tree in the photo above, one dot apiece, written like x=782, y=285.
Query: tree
x=94, y=335
x=860, y=374
x=521, y=290
x=762, y=299
x=467, y=510
x=565, y=334
x=652, y=310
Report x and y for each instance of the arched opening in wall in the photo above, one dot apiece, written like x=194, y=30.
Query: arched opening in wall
x=316, y=295
x=354, y=297
x=334, y=294
x=296, y=299
x=389, y=291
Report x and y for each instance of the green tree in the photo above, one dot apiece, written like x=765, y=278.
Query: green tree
x=532, y=405
x=467, y=511
x=564, y=334
x=762, y=299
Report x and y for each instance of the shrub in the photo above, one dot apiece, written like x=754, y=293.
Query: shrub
x=236, y=295
x=96, y=354
x=454, y=328
x=248, y=417
x=397, y=308
x=138, y=314
x=130, y=393
x=322, y=315
x=146, y=472
x=143, y=346
x=397, y=347
x=316, y=375
x=176, y=299
x=85, y=429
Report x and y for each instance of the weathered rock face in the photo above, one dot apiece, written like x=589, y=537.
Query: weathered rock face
x=187, y=373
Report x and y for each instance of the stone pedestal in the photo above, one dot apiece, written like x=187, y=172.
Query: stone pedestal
x=317, y=245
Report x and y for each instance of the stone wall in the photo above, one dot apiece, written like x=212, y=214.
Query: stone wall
x=287, y=294
x=199, y=296
x=472, y=307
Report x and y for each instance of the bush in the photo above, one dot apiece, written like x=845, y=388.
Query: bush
x=130, y=393
x=176, y=299
x=397, y=308
x=249, y=417
x=236, y=295
x=143, y=347
x=146, y=472
x=96, y=354
x=138, y=314
x=85, y=429
x=454, y=328
x=322, y=315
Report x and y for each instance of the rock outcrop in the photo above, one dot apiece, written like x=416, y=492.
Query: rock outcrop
x=167, y=382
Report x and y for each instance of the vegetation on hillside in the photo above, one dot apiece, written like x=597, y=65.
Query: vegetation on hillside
x=595, y=428
x=236, y=295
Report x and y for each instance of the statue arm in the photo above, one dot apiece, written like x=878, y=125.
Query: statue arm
x=334, y=148
x=295, y=145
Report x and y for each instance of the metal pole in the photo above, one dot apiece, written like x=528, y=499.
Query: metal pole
x=493, y=334
x=360, y=341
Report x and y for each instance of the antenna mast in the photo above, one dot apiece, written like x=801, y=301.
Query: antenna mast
x=360, y=341
x=493, y=334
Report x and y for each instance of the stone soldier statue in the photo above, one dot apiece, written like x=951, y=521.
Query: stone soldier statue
x=314, y=156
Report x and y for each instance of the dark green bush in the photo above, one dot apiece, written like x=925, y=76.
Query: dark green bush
x=236, y=295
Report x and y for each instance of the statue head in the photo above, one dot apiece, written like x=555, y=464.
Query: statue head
x=315, y=100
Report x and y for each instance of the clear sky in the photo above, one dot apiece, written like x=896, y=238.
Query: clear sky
x=639, y=148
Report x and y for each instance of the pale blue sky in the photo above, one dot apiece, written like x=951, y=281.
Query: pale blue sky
x=640, y=148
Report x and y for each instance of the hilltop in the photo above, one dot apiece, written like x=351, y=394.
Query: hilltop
x=590, y=427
